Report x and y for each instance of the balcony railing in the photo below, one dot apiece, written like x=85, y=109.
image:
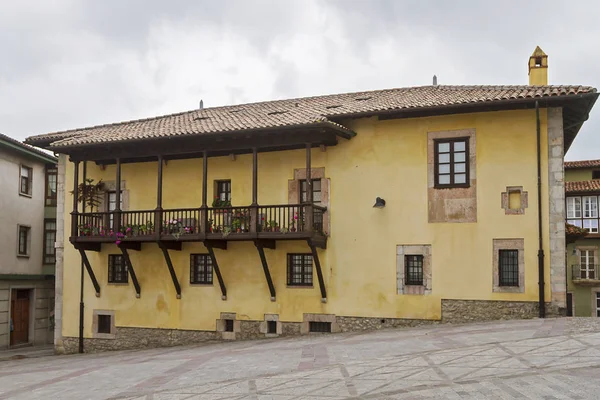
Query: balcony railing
x=586, y=272
x=293, y=220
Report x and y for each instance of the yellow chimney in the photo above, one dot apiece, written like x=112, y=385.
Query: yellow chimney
x=538, y=67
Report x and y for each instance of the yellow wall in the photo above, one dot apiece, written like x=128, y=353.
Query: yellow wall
x=386, y=159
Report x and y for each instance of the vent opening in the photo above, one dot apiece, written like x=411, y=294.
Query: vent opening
x=104, y=323
x=320, y=327
x=271, y=326
x=228, y=325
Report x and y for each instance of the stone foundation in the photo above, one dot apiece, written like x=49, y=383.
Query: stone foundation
x=453, y=311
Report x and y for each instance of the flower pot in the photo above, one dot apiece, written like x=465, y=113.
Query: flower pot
x=239, y=230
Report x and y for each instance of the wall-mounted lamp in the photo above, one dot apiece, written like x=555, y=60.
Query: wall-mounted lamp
x=379, y=203
x=574, y=251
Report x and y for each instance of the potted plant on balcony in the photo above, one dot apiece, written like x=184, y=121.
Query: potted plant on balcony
x=236, y=225
x=90, y=193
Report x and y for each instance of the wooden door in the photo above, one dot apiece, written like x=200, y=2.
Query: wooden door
x=19, y=313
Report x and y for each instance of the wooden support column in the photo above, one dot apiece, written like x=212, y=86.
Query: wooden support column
x=204, y=207
x=74, y=213
x=117, y=213
x=254, y=222
x=315, y=257
x=263, y=260
x=165, y=251
x=90, y=271
x=158, y=211
x=215, y=266
x=131, y=271
x=308, y=206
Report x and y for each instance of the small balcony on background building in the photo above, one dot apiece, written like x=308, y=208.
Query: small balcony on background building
x=586, y=274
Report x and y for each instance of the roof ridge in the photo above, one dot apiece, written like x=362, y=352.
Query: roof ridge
x=26, y=147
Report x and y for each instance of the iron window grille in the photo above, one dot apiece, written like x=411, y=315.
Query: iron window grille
x=49, y=241
x=451, y=163
x=51, y=182
x=201, y=270
x=414, y=269
x=24, y=240
x=320, y=327
x=26, y=178
x=117, y=269
x=300, y=270
x=228, y=325
x=508, y=267
x=316, y=187
x=224, y=190
x=104, y=323
x=271, y=326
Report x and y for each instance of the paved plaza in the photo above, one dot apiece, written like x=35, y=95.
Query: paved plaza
x=533, y=359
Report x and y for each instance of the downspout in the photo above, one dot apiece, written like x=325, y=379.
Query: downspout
x=542, y=302
x=81, y=305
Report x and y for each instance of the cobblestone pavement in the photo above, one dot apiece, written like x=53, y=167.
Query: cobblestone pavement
x=533, y=359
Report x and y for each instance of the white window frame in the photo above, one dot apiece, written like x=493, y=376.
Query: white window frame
x=587, y=268
x=571, y=207
x=582, y=211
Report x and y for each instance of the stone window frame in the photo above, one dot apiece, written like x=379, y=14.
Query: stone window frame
x=113, y=328
x=221, y=325
x=452, y=204
x=264, y=328
x=294, y=191
x=309, y=317
x=506, y=200
x=416, y=250
x=508, y=244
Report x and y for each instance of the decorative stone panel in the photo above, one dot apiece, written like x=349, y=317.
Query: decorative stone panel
x=414, y=249
x=294, y=190
x=508, y=244
x=506, y=200
x=264, y=325
x=113, y=328
x=319, y=318
x=451, y=204
x=221, y=326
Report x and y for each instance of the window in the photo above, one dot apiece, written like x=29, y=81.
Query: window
x=49, y=240
x=596, y=174
x=271, y=326
x=24, y=232
x=25, y=181
x=316, y=187
x=587, y=264
x=414, y=269
x=583, y=212
x=300, y=269
x=451, y=162
x=597, y=304
x=508, y=267
x=228, y=325
x=51, y=181
x=201, y=269
x=104, y=323
x=224, y=191
x=321, y=327
x=117, y=269
x=112, y=206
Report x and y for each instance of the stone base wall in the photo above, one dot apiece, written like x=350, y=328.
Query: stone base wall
x=453, y=311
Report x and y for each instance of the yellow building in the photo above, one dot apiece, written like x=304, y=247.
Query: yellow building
x=258, y=219
x=582, y=187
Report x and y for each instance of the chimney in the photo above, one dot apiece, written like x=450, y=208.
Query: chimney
x=434, y=80
x=201, y=104
x=538, y=67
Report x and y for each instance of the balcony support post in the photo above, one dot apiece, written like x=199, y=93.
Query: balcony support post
x=263, y=260
x=131, y=271
x=74, y=213
x=315, y=255
x=165, y=251
x=117, y=214
x=158, y=212
x=254, y=206
x=215, y=266
x=204, y=207
x=308, y=206
x=90, y=271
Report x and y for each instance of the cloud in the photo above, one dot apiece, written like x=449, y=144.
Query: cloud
x=69, y=63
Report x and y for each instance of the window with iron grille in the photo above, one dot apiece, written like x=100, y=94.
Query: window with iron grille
x=23, y=249
x=300, y=270
x=228, y=325
x=49, y=240
x=316, y=188
x=321, y=327
x=104, y=323
x=508, y=267
x=201, y=269
x=271, y=326
x=414, y=269
x=117, y=269
x=224, y=191
x=26, y=178
x=51, y=180
x=451, y=162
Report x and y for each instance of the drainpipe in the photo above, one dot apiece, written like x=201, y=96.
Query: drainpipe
x=81, y=305
x=542, y=302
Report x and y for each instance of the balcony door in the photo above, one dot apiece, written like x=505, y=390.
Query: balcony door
x=588, y=264
x=112, y=206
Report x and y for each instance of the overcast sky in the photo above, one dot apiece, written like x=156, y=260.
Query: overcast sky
x=75, y=63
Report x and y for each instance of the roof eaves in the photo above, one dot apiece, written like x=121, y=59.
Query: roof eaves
x=26, y=149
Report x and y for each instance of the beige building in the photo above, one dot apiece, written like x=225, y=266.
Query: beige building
x=27, y=238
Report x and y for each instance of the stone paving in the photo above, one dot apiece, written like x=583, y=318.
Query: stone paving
x=532, y=359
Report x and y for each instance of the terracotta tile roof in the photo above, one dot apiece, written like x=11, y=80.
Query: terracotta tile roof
x=14, y=143
x=583, y=186
x=582, y=164
x=322, y=110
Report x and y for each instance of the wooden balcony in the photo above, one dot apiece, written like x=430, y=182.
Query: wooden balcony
x=586, y=275
x=274, y=222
